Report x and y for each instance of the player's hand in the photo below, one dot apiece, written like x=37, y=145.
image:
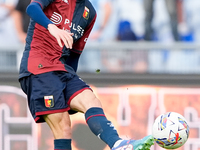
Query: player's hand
x=61, y=35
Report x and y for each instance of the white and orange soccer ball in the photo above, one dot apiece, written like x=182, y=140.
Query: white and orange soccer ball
x=170, y=130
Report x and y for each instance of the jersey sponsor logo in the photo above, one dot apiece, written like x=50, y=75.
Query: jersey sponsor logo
x=56, y=18
x=77, y=28
x=86, y=13
x=49, y=101
x=74, y=27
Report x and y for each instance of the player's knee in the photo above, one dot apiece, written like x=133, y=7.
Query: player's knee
x=63, y=129
x=60, y=124
x=65, y=123
x=84, y=101
x=62, y=132
x=67, y=132
x=96, y=103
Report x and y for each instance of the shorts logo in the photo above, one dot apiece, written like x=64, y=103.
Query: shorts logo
x=49, y=101
x=86, y=13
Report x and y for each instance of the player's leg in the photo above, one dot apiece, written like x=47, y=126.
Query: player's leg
x=60, y=125
x=47, y=104
x=88, y=103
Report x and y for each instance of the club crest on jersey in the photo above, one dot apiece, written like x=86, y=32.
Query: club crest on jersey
x=86, y=13
x=49, y=101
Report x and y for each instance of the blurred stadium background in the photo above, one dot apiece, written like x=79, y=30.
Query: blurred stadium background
x=135, y=80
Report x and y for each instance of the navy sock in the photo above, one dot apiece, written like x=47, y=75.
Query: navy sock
x=62, y=144
x=100, y=126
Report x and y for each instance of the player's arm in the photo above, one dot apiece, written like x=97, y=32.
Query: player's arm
x=35, y=11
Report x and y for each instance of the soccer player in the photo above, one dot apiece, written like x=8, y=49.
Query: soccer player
x=56, y=36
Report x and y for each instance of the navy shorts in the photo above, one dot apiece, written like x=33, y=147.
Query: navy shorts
x=51, y=92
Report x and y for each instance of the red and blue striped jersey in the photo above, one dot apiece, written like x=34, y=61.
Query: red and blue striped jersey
x=42, y=52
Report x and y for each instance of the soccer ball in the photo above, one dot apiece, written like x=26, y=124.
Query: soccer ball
x=170, y=130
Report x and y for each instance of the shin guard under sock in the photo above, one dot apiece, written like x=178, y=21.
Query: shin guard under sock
x=100, y=126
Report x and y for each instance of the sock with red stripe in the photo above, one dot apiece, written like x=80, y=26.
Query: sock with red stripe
x=62, y=144
x=100, y=126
